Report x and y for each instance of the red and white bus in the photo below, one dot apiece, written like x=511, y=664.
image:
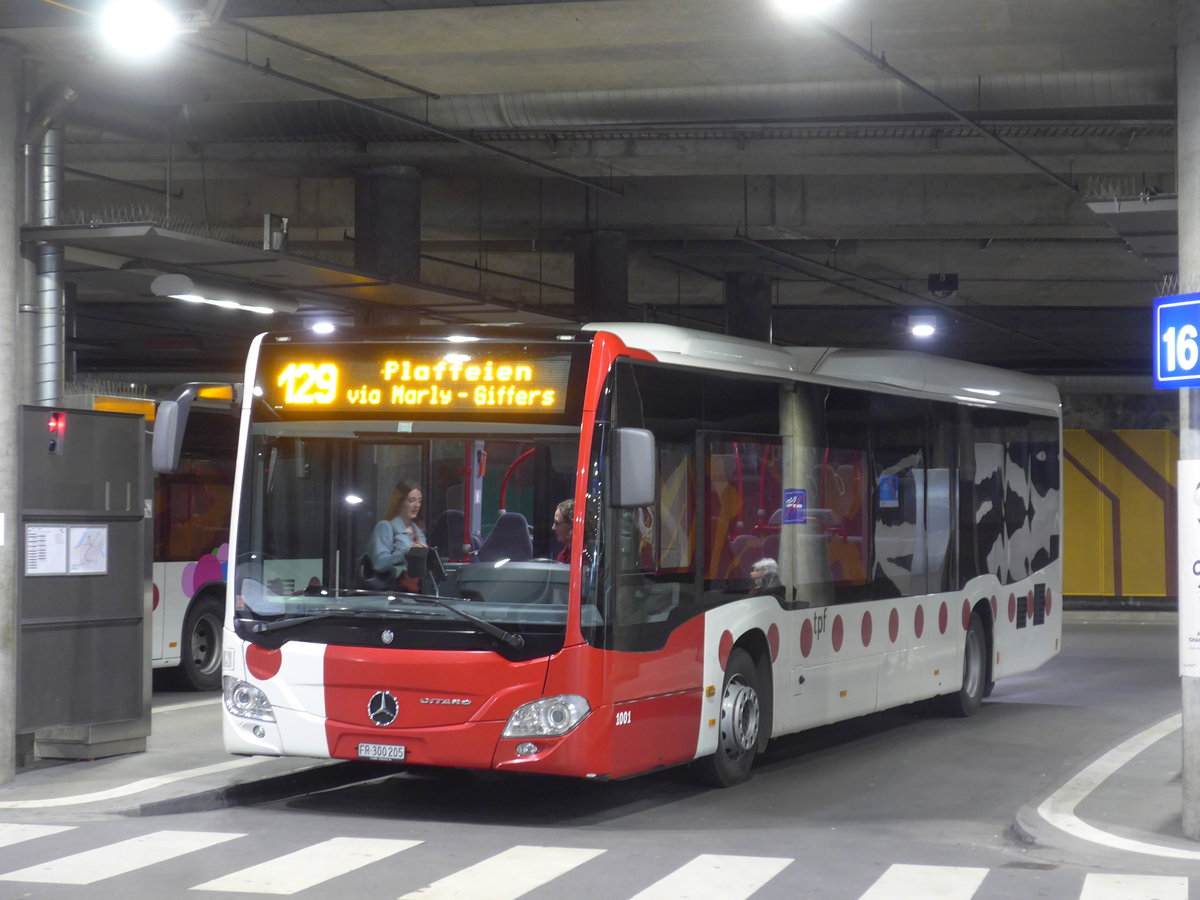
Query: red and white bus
x=910, y=504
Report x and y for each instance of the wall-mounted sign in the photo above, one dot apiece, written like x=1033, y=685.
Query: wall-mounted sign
x=1177, y=341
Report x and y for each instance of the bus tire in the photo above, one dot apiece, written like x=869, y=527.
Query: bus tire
x=200, y=653
x=967, y=700
x=740, y=725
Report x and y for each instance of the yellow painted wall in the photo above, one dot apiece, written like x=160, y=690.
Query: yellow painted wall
x=1124, y=472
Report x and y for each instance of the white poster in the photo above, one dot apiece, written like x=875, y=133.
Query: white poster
x=45, y=549
x=1188, y=504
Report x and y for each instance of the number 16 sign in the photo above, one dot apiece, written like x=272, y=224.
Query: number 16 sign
x=1177, y=341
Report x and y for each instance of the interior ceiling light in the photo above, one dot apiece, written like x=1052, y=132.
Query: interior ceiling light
x=138, y=29
x=802, y=9
x=182, y=287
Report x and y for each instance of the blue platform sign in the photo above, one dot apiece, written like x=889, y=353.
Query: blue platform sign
x=1177, y=341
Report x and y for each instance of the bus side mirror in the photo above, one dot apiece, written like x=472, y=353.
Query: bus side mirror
x=635, y=471
x=167, y=440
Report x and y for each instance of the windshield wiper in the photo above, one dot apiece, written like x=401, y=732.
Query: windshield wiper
x=515, y=641
x=256, y=627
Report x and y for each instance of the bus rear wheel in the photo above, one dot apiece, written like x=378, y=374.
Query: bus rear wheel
x=200, y=662
x=967, y=700
x=740, y=723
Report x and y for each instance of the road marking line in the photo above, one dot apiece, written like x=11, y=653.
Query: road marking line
x=712, y=875
x=902, y=882
x=133, y=787
x=120, y=858
x=308, y=867
x=1059, y=808
x=15, y=834
x=1134, y=887
x=506, y=875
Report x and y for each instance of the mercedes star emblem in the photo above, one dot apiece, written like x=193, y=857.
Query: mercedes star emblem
x=383, y=708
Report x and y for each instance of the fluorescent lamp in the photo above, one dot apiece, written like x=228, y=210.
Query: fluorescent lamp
x=138, y=29
x=324, y=327
x=182, y=287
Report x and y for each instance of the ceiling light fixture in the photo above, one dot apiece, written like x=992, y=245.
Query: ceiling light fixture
x=183, y=287
x=922, y=325
x=138, y=29
x=804, y=9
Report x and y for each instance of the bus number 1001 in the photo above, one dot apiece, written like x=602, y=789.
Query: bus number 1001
x=304, y=383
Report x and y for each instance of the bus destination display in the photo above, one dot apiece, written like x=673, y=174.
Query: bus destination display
x=412, y=384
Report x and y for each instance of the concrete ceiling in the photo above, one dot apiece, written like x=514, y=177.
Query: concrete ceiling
x=1027, y=146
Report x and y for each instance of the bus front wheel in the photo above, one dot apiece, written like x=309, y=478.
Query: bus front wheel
x=740, y=723
x=200, y=662
x=967, y=700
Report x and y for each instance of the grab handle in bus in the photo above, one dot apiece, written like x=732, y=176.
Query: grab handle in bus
x=634, y=468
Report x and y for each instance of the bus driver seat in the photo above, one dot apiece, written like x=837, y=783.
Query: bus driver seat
x=509, y=540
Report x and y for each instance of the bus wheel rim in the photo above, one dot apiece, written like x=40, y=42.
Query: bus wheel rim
x=739, y=718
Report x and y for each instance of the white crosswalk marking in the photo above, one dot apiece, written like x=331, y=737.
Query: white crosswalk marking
x=709, y=875
x=117, y=859
x=1134, y=887
x=506, y=875
x=308, y=867
x=902, y=882
x=14, y=834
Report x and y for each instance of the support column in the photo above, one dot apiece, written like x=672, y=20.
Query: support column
x=748, y=306
x=1187, y=167
x=11, y=200
x=387, y=222
x=387, y=236
x=602, y=275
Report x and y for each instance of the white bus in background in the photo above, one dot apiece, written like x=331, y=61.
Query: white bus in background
x=192, y=501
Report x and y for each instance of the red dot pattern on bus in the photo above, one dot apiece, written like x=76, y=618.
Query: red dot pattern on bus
x=263, y=663
x=943, y=618
x=773, y=641
x=894, y=625
x=838, y=633
x=806, y=638
x=1047, y=601
x=919, y=621
x=866, y=628
x=966, y=614
x=724, y=648
x=1012, y=607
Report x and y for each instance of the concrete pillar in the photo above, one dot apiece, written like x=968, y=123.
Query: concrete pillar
x=387, y=222
x=602, y=275
x=11, y=201
x=1187, y=166
x=748, y=305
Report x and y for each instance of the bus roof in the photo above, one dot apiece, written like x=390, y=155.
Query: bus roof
x=954, y=380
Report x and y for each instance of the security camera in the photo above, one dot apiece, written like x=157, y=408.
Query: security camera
x=943, y=286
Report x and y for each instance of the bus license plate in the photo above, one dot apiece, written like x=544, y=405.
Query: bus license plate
x=385, y=752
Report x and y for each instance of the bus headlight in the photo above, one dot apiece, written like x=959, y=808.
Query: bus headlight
x=548, y=717
x=246, y=700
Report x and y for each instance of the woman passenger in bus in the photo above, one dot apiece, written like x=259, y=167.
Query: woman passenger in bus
x=765, y=574
x=564, y=525
x=398, y=533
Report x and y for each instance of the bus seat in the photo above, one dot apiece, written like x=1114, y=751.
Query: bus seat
x=509, y=540
x=446, y=534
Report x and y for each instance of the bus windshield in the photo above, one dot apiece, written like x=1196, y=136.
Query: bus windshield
x=320, y=512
